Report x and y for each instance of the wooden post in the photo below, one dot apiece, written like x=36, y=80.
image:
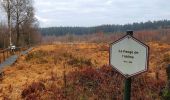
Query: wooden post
x=3, y=55
x=7, y=53
x=0, y=57
x=65, y=80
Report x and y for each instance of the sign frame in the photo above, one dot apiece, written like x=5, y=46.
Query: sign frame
x=140, y=43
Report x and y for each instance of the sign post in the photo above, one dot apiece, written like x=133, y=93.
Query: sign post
x=127, y=91
x=129, y=56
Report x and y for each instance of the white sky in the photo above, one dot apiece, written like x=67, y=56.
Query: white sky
x=98, y=12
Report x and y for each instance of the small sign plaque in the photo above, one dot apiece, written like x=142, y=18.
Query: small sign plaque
x=129, y=56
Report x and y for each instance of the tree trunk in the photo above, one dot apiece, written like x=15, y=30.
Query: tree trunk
x=17, y=27
x=9, y=20
x=18, y=34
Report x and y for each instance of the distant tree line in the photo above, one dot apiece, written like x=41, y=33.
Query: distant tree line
x=59, y=31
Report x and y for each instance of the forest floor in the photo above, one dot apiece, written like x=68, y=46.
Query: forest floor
x=80, y=72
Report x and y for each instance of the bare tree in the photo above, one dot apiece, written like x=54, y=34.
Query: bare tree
x=30, y=26
x=3, y=36
x=8, y=7
x=23, y=13
x=21, y=20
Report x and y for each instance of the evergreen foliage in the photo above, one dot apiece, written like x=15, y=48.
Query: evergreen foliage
x=58, y=31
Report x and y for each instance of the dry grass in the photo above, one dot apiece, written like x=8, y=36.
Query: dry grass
x=40, y=74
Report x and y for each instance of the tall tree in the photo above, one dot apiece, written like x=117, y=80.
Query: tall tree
x=23, y=13
x=8, y=7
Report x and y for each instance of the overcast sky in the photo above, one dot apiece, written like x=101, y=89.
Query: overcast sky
x=98, y=12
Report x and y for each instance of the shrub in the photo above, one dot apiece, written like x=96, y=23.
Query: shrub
x=31, y=91
x=80, y=62
x=166, y=58
x=36, y=55
x=90, y=83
